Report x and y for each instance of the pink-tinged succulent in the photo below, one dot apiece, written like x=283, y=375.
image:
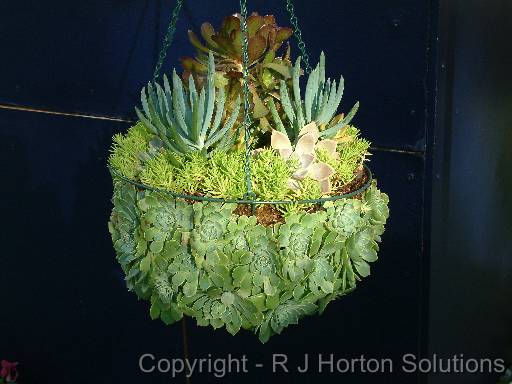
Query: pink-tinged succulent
x=266, y=67
x=8, y=372
x=305, y=152
x=265, y=38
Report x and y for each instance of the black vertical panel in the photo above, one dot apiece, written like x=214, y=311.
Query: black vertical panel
x=471, y=258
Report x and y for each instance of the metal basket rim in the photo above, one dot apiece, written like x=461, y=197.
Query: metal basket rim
x=365, y=186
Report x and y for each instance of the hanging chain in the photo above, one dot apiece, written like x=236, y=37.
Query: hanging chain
x=169, y=36
x=247, y=117
x=298, y=35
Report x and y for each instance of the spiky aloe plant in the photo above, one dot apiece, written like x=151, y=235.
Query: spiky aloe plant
x=321, y=101
x=188, y=120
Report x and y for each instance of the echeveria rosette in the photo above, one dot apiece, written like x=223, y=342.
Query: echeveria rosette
x=210, y=224
x=359, y=224
x=248, y=258
x=345, y=216
x=162, y=215
x=286, y=312
x=228, y=270
x=124, y=228
x=220, y=308
x=378, y=211
x=124, y=220
x=299, y=239
x=172, y=276
x=363, y=246
x=257, y=265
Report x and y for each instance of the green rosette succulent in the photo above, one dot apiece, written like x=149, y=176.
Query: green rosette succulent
x=254, y=257
x=205, y=261
x=299, y=238
x=210, y=223
x=123, y=224
x=172, y=276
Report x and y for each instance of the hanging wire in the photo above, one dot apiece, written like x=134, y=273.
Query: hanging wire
x=298, y=35
x=247, y=117
x=169, y=36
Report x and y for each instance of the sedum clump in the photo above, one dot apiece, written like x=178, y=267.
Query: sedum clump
x=223, y=263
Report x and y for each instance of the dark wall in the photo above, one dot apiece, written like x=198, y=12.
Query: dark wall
x=471, y=259
x=69, y=78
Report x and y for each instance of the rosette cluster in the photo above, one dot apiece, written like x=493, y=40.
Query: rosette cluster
x=225, y=270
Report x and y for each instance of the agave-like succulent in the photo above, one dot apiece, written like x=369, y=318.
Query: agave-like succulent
x=184, y=119
x=321, y=101
x=266, y=69
x=305, y=152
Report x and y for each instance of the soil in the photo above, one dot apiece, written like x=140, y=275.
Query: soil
x=266, y=214
x=361, y=177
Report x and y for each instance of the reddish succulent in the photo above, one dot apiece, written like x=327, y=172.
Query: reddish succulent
x=8, y=372
x=266, y=69
x=265, y=38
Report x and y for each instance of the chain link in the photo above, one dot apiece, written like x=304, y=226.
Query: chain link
x=298, y=35
x=169, y=36
x=245, y=89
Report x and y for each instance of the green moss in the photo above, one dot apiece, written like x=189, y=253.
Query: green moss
x=270, y=175
x=158, y=172
x=225, y=175
x=352, y=154
x=191, y=173
x=309, y=189
x=222, y=174
x=126, y=149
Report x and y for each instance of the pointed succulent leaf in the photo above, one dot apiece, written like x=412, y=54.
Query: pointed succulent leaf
x=331, y=132
x=207, y=31
x=283, y=34
x=196, y=42
x=282, y=69
x=275, y=116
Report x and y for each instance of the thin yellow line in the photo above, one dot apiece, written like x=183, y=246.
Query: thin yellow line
x=58, y=113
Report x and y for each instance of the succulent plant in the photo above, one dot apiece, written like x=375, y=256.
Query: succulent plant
x=284, y=315
x=184, y=119
x=228, y=270
x=266, y=68
x=212, y=259
x=304, y=152
x=321, y=101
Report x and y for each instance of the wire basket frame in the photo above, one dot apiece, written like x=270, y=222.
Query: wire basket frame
x=185, y=196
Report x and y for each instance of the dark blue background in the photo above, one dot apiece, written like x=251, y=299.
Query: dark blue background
x=433, y=101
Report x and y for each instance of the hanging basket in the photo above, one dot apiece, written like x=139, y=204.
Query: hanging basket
x=242, y=261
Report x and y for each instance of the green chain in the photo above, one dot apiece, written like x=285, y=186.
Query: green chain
x=167, y=40
x=298, y=35
x=245, y=71
x=247, y=117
